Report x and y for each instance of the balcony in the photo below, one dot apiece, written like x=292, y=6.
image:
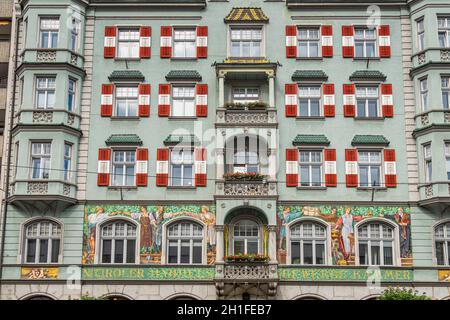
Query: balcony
x=49, y=117
x=246, y=115
x=233, y=189
x=435, y=195
x=57, y=56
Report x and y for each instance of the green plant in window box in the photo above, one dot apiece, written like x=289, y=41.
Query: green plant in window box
x=256, y=105
x=246, y=258
x=244, y=176
x=402, y=294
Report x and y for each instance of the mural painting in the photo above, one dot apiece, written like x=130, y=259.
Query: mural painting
x=444, y=275
x=150, y=220
x=342, y=220
x=27, y=273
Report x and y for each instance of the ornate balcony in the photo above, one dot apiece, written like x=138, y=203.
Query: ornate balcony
x=48, y=117
x=435, y=195
x=246, y=117
x=33, y=55
x=432, y=117
x=233, y=189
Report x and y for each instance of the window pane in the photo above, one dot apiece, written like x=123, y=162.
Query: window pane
x=315, y=108
x=440, y=257
x=387, y=252
x=131, y=251
x=303, y=49
x=106, y=256
x=304, y=176
x=185, y=252
x=316, y=176
x=308, y=253
x=320, y=253
x=295, y=252
x=43, y=250
x=197, y=252
x=187, y=175
x=252, y=247
x=359, y=49
x=173, y=252
x=373, y=108
x=375, y=176
x=375, y=258
x=118, y=251
x=363, y=254
x=239, y=247
x=363, y=176
x=31, y=250
x=55, y=250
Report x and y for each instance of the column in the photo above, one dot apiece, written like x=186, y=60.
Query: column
x=219, y=243
x=221, y=90
x=272, y=243
x=271, y=90
x=220, y=163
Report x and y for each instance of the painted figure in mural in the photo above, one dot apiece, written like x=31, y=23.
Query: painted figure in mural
x=146, y=229
x=345, y=223
x=158, y=228
x=210, y=221
x=403, y=221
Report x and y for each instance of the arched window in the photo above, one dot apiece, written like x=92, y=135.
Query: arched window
x=42, y=242
x=118, y=243
x=308, y=243
x=442, y=244
x=38, y=297
x=184, y=243
x=376, y=244
x=246, y=237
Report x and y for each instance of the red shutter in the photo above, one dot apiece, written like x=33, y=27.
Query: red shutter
x=166, y=42
x=348, y=42
x=104, y=158
x=202, y=42
x=144, y=100
x=141, y=167
x=390, y=169
x=164, y=100
x=349, y=100
x=291, y=41
x=292, y=167
x=109, y=49
x=201, y=100
x=200, y=167
x=327, y=41
x=330, y=167
x=291, y=91
x=145, y=41
x=351, y=168
x=162, y=167
x=328, y=100
x=387, y=100
x=384, y=39
x=106, y=100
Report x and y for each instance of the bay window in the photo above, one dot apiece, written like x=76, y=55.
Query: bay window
x=246, y=154
x=245, y=95
x=444, y=32
x=40, y=160
x=445, y=87
x=420, y=34
x=48, y=33
x=45, y=92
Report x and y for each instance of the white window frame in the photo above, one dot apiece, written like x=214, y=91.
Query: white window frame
x=243, y=167
x=183, y=163
x=43, y=157
x=67, y=172
x=310, y=96
x=423, y=92
x=443, y=236
x=55, y=233
x=50, y=30
x=370, y=164
x=313, y=240
x=124, y=165
x=366, y=97
x=245, y=95
x=420, y=24
x=246, y=27
x=447, y=158
x=444, y=30
x=179, y=238
x=130, y=42
x=180, y=95
x=246, y=239
x=114, y=238
x=128, y=94
x=309, y=41
x=311, y=164
x=184, y=42
x=365, y=40
x=72, y=92
x=48, y=89
x=75, y=35
x=445, y=89
x=428, y=162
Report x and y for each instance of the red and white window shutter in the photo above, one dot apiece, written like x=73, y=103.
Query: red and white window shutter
x=349, y=100
x=351, y=168
x=144, y=100
x=292, y=167
x=109, y=49
x=201, y=100
x=200, y=166
x=166, y=42
x=106, y=104
x=390, y=168
x=202, y=42
x=291, y=92
x=164, y=100
x=103, y=171
x=387, y=100
x=145, y=40
x=330, y=167
x=327, y=41
x=291, y=41
x=328, y=100
x=348, y=42
x=141, y=167
x=162, y=167
x=384, y=39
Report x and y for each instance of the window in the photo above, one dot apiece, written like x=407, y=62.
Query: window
x=118, y=243
x=40, y=160
x=420, y=34
x=309, y=101
x=424, y=94
x=74, y=35
x=246, y=154
x=367, y=101
x=183, y=101
x=369, y=168
x=445, y=85
x=447, y=158
x=310, y=168
x=42, y=242
x=308, y=42
x=71, y=92
x=67, y=161
x=124, y=162
x=442, y=244
x=245, y=95
x=428, y=162
x=246, y=42
x=184, y=43
x=49, y=28
x=444, y=32
x=376, y=244
x=181, y=167
x=185, y=243
x=45, y=92
x=246, y=237
x=128, y=43
x=126, y=101
x=308, y=243
x=365, y=42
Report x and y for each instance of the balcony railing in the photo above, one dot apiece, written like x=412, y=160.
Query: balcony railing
x=49, y=116
x=239, y=188
x=248, y=117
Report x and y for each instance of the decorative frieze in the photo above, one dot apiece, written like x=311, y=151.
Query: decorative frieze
x=42, y=117
x=425, y=120
x=246, y=117
x=73, y=59
x=429, y=191
x=66, y=189
x=46, y=56
x=246, y=189
x=421, y=58
x=446, y=117
x=37, y=187
x=445, y=55
x=70, y=119
x=246, y=271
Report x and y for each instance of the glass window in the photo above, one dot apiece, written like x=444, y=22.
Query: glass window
x=447, y=159
x=184, y=43
x=49, y=28
x=42, y=242
x=376, y=244
x=128, y=43
x=424, y=94
x=74, y=35
x=445, y=87
x=309, y=101
x=308, y=42
x=71, y=93
x=420, y=34
x=246, y=42
x=246, y=237
x=184, y=243
x=182, y=167
x=246, y=154
x=444, y=32
x=428, y=163
x=367, y=101
x=118, y=242
x=40, y=160
x=308, y=243
x=183, y=101
x=126, y=101
x=123, y=170
x=369, y=168
x=310, y=162
x=442, y=244
x=365, y=43
x=45, y=92
x=67, y=161
x=245, y=95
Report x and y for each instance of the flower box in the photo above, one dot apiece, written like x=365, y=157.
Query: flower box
x=257, y=105
x=240, y=176
x=246, y=258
